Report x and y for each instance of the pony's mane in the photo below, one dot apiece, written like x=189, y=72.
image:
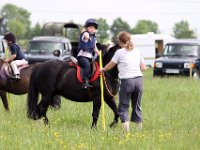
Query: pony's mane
x=110, y=53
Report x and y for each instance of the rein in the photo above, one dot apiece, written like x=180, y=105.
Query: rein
x=106, y=85
x=104, y=79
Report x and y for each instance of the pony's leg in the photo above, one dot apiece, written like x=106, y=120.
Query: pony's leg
x=112, y=104
x=56, y=102
x=43, y=107
x=96, y=109
x=4, y=99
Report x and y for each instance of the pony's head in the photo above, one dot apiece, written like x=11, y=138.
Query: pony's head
x=107, y=58
x=102, y=47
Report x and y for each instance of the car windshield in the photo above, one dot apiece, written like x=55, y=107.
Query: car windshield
x=181, y=50
x=44, y=47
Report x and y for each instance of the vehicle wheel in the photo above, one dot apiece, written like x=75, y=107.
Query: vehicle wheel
x=196, y=74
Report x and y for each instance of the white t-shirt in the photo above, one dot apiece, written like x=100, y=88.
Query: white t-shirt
x=128, y=63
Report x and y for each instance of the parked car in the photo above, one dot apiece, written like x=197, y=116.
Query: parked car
x=179, y=58
x=2, y=48
x=44, y=48
x=69, y=30
x=151, y=45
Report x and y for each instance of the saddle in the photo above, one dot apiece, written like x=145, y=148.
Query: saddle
x=6, y=70
x=79, y=71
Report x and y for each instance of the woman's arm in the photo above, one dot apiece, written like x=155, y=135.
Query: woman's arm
x=142, y=66
x=109, y=66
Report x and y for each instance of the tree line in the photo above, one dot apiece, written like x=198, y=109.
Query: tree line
x=17, y=20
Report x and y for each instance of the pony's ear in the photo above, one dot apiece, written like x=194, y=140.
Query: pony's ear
x=115, y=41
x=102, y=47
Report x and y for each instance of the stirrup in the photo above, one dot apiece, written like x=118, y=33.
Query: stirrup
x=86, y=86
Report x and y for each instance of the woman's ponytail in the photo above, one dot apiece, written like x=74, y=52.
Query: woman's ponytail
x=125, y=38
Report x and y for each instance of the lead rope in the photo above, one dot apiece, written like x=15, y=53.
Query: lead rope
x=106, y=85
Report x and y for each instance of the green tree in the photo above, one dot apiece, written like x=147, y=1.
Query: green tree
x=103, y=31
x=144, y=26
x=16, y=19
x=181, y=30
x=118, y=26
x=35, y=31
x=17, y=27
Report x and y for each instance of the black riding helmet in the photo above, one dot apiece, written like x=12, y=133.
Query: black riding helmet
x=91, y=22
x=9, y=36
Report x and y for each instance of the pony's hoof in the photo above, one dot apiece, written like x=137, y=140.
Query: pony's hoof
x=56, y=103
x=34, y=116
x=7, y=110
x=55, y=107
x=94, y=126
x=46, y=121
x=113, y=124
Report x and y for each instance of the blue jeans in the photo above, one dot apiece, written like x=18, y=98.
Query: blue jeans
x=84, y=62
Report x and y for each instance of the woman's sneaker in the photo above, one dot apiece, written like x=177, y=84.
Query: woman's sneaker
x=125, y=126
x=139, y=125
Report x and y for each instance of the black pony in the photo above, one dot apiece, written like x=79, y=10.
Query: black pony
x=56, y=77
x=18, y=87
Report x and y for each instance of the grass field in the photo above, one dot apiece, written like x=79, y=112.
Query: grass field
x=171, y=122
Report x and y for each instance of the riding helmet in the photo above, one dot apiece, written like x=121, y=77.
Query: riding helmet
x=9, y=36
x=91, y=22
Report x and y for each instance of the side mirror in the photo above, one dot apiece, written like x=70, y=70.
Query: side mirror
x=57, y=52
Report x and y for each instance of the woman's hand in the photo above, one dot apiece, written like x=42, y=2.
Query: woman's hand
x=101, y=70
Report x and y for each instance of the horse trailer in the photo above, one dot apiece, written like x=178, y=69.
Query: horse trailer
x=151, y=45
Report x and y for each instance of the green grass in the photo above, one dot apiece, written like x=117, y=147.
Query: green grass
x=171, y=121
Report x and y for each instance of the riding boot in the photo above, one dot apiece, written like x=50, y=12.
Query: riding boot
x=15, y=76
x=86, y=84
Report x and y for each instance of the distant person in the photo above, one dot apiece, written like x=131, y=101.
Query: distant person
x=87, y=48
x=17, y=57
x=130, y=65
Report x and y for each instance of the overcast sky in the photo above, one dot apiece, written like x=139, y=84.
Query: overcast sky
x=164, y=12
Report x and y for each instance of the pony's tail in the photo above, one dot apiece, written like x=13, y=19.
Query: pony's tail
x=33, y=94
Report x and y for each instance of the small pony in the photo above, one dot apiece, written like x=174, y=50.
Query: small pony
x=17, y=87
x=56, y=77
